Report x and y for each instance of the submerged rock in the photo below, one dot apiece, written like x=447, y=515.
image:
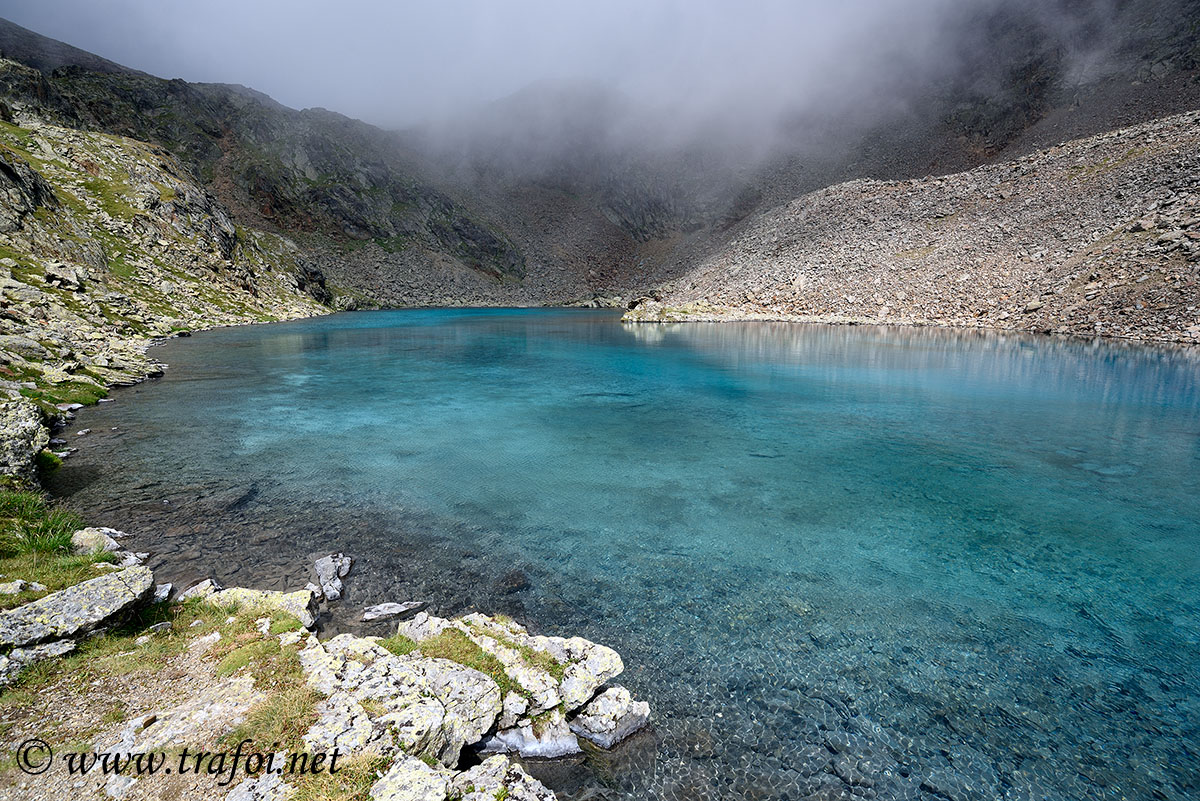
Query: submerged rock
x=331, y=569
x=301, y=604
x=610, y=717
x=76, y=610
x=388, y=610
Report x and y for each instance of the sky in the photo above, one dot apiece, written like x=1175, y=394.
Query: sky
x=402, y=63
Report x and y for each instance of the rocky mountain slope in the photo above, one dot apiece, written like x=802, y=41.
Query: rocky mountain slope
x=569, y=193
x=107, y=243
x=1096, y=236
x=340, y=181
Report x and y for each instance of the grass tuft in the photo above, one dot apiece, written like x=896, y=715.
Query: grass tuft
x=452, y=644
x=280, y=722
x=399, y=645
x=352, y=782
x=29, y=524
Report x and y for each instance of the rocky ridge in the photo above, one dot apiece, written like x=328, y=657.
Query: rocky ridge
x=1099, y=236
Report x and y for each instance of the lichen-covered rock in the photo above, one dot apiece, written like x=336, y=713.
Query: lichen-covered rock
x=344, y=724
x=20, y=585
x=589, y=666
x=423, y=626
x=515, y=707
x=226, y=703
x=76, y=610
x=410, y=779
x=610, y=717
x=22, y=437
x=16, y=660
x=546, y=737
x=498, y=777
x=577, y=668
x=380, y=702
x=267, y=787
x=301, y=603
x=94, y=540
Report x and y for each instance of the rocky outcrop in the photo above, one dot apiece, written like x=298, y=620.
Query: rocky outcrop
x=383, y=703
x=22, y=191
x=498, y=777
x=552, y=677
x=77, y=610
x=410, y=779
x=22, y=437
x=106, y=243
x=610, y=717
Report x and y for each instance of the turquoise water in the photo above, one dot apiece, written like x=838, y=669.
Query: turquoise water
x=839, y=562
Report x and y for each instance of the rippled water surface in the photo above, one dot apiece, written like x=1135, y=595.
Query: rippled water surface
x=839, y=562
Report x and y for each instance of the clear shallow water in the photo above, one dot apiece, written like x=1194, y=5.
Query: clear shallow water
x=839, y=562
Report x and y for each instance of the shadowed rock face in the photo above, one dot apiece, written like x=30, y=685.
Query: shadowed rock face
x=22, y=189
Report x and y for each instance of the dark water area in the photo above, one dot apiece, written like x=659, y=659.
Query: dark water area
x=839, y=562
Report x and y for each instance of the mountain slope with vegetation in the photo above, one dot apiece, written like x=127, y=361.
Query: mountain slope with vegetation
x=107, y=243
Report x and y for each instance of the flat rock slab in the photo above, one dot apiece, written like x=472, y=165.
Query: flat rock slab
x=301, y=603
x=16, y=660
x=76, y=610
